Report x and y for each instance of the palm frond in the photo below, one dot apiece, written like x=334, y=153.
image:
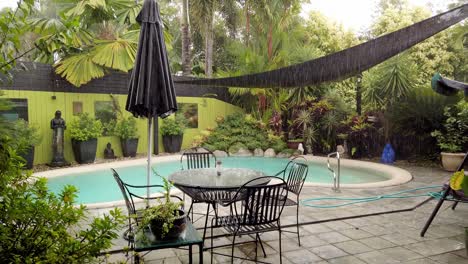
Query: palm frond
x=79, y=69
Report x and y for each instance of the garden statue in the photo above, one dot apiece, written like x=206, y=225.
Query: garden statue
x=58, y=125
x=388, y=154
x=300, y=148
x=109, y=152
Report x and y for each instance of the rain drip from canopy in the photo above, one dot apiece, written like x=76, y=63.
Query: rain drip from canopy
x=345, y=63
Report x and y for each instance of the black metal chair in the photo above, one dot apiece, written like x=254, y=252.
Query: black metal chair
x=448, y=195
x=255, y=208
x=295, y=174
x=134, y=213
x=197, y=158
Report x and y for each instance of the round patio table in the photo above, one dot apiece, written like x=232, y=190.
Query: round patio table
x=205, y=185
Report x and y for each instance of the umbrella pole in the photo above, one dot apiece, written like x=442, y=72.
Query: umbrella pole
x=148, y=169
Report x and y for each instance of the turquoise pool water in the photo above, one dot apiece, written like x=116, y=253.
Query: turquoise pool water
x=100, y=186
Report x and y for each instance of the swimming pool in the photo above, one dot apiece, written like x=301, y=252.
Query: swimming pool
x=97, y=185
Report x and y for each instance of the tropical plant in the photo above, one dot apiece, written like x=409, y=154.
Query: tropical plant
x=165, y=211
x=453, y=136
x=126, y=128
x=84, y=127
x=459, y=182
x=173, y=126
x=26, y=135
x=41, y=226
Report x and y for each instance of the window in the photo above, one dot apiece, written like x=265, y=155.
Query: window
x=19, y=109
x=190, y=114
x=104, y=111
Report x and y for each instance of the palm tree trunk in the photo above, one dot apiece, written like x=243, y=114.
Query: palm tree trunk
x=270, y=42
x=209, y=45
x=247, y=23
x=185, y=28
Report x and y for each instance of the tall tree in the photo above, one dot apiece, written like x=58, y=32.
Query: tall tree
x=186, y=43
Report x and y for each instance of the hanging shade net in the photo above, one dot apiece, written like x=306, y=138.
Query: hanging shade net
x=346, y=63
x=151, y=90
x=446, y=86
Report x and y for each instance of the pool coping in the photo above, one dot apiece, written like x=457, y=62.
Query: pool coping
x=398, y=175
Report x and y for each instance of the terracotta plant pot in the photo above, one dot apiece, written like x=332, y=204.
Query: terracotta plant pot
x=28, y=156
x=451, y=161
x=174, y=232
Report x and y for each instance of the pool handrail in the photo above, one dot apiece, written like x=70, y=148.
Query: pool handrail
x=336, y=176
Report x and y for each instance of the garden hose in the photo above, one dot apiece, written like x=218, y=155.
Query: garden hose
x=397, y=195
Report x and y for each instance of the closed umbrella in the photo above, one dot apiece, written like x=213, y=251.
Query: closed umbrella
x=151, y=91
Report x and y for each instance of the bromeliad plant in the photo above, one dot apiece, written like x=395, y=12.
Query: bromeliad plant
x=459, y=182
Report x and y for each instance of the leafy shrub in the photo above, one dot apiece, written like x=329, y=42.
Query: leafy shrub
x=84, y=127
x=26, y=135
x=235, y=148
x=126, y=128
x=173, y=126
x=454, y=137
x=243, y=129
x=38, y=226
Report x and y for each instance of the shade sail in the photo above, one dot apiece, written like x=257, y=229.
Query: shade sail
x=345, y=63
x=151, y=90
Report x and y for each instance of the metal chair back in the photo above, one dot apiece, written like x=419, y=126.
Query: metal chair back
x=295, y=174
x=262, y=201
x=125, y=193
x=197, y=158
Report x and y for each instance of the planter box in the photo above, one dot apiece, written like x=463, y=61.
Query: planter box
x=293, y=144
x=85, y=151
x=178, y=227
x=129, y=147
x=172, y=144
x=451, y=161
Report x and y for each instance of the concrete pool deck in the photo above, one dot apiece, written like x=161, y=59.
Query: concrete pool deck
x=384, y=238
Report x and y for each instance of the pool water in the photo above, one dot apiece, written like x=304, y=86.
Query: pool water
x=99, y=186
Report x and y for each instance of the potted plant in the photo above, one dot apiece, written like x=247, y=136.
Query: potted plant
x=84, y=131
x=127, y=130
x=26, y=137
x=294, y=143
x=172, y=131
x=453, y=139
x=166, y=219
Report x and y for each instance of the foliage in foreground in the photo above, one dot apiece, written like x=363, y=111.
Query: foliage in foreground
x=244, y=129
x=38, y=226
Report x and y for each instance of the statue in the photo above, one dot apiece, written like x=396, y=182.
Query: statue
x=109, y=152
x=58, y=125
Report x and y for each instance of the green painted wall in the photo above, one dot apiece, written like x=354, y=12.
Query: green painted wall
x=41, y=109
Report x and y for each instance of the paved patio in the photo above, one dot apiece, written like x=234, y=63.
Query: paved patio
x=385, y=238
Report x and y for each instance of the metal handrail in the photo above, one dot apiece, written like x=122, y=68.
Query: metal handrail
x=336, y=176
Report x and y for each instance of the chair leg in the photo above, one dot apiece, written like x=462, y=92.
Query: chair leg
x=211, y=244
x=281, y=255
x=297, y=222
x=206, y=220
x=434, y=212
x=454, y=205
x=261, y=245
x=256, y=246
x=232, y=249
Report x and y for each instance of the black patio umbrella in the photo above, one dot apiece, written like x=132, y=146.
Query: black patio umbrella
x=151, y=91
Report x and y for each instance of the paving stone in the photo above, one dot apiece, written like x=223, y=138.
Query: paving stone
x=312, y=241
x=374, y=257
x=399, y=239
x=377, y=242
x=449, y=258
x=172, y=260
x=435, y=247
x=333, y=237
x=356, y=233
x=400, y=254
x=422, y=261
x=346, y=260
x=301, y=256
x=377, y=230
x=339, y=225
x=317, y=228
x=328, y=252
x=353, y=247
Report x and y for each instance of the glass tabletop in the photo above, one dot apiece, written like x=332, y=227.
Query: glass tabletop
x=147, y=241
x=209, y=178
